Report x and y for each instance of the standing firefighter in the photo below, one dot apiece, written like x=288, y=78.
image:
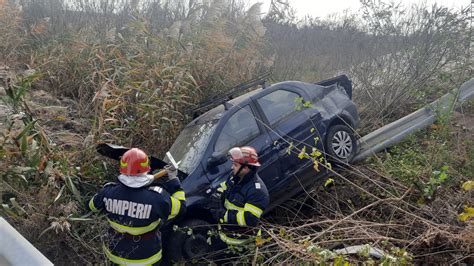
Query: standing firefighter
x=244, y=196
x=136, y=208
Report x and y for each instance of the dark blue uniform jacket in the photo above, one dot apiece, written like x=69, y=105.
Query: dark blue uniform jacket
x=244, y=202
x=135, y=215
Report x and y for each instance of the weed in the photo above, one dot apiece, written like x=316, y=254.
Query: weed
x=300, y=103
x=17, y=90
x=135, y=76
x=436, y=179
x=421, y=160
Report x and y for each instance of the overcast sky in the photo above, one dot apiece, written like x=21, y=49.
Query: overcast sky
x=322, y=8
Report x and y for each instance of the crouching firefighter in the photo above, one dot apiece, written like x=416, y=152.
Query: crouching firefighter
x=136, y=207
x=244, y=196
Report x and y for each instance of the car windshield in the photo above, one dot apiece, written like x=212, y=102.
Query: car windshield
x=191, y=144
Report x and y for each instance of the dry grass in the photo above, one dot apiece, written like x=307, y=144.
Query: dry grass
x=131, y=77
x=379, y=203
x=11, y=36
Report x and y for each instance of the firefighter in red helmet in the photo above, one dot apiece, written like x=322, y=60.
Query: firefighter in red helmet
x=136, y=208
x=244, y=198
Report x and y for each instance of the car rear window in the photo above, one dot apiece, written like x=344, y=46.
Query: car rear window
x=278, y=105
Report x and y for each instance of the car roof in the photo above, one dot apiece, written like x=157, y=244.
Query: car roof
x=299, y=84
x=218, y=111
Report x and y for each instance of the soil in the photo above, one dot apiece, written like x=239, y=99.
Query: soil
x=62, y=124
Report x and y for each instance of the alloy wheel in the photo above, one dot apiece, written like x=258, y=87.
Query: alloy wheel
x=342, y=144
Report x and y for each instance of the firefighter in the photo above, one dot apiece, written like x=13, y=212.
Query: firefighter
x=136, y=207
x=243, y=198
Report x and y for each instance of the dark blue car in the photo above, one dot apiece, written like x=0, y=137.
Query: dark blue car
x=278, y=121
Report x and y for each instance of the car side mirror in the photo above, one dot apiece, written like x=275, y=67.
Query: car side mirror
x=216, y=159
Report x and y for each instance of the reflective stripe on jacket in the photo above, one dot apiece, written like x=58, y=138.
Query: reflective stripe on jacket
x=123, y=261
x=245, y=203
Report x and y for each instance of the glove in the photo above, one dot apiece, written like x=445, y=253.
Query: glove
x=215, y=201
x=171, y=171
x=216, y=196
x=218, y=214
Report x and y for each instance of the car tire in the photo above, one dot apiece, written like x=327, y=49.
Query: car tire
x=182, y=246
x=341, y=144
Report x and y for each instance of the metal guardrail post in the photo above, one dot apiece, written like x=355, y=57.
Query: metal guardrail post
x=396, y=131
x=16, y=250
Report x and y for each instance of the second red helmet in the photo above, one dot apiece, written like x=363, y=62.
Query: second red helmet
x=244, y=155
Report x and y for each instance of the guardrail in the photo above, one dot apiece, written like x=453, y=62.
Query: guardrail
x=396, y=131
x=16, y=250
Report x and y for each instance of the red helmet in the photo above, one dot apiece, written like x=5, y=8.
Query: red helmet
x=244, y=155
x=134, y=162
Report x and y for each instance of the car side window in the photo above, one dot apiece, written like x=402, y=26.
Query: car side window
x=278, y=105
x=239, y=129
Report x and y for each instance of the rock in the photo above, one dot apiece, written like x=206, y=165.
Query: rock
x=52, y=112
x=44, y=98
x=29, y=72
x=4, y=74
x=4, y=110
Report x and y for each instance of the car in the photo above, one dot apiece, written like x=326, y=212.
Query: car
x=279, y=121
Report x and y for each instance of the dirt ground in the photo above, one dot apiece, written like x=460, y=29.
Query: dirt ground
x=66, y=129
x=57, y=116
x=463, y=122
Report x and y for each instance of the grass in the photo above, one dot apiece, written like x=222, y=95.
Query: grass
x=401, y=200
x=136, y=88
x=328, y=218
x=429, y=159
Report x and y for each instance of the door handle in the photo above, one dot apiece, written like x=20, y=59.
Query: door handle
x=280, y=144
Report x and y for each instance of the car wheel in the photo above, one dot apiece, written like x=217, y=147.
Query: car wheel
x=341, y=144
x=183, y=246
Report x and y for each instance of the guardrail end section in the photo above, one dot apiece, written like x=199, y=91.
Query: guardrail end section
x=16, y=250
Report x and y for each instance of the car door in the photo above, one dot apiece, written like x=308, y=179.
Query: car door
x=245, y=128
x=290, y=128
